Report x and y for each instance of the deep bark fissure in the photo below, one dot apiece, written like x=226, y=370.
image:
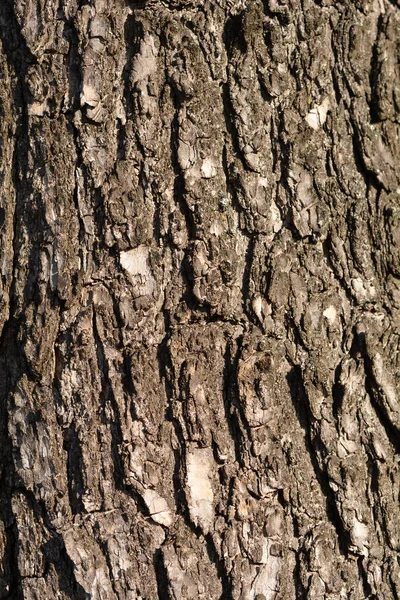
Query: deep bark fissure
x=315, y=450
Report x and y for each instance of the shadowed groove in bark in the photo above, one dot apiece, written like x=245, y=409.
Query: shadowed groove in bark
x=363, y=575
x=11, y=373
x=245, y=437
x=232, y=38
x=329, y=257
x=231, y=398
x=73, y=449
x=107, y=394
x=74, y=67
x=18, y=56
x=359, y=349
x=300, y=590
x=337, y=393
x=372, y=388
x=374, y=74
x=64, y=567
x=315, y=449
x=12, y=575
x=219, y=563
x=246, y=285
x=166, y=377
x=161, y=575
x=179, y=181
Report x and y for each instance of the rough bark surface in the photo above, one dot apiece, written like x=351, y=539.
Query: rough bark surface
x=200, y=299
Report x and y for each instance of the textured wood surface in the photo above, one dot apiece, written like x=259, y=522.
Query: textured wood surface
x=200, y=300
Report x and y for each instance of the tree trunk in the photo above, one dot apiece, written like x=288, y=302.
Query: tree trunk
x=200, y=299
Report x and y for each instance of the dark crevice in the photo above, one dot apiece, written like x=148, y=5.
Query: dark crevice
x=366, y=173
x=230, y=401
x=235, y=407
x=100, y=220
x=300, y=590
x=337, y=394
x=247, y=280
x=374, y=109
x=179, y=183
x=233, y=40
x=335, y=80
x=106, y=554
x=233, y=187
x=54, y=550
x=372, y=388
x=330, y=258
x=72, y=446
x=107, y=396
x=374, y=481
x=315, y=448
x=161, y=576
x=75, y=75
x=10, y=561
x=82, y=231
x=133, y=34
x=393, y=582
x=166, y=374
x=364, y=578
x=55, y=553
x=139, y=4
x=283, y=155
x=296, y=332
x=360, y=349
x=158, y=235
x=13, y=41
x=229, y=115
x=126, y=375
x=223, y=576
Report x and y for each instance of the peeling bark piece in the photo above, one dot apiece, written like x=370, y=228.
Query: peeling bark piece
x=158, y=508
x=136, y=263
x=199, y=470
x=317, y=116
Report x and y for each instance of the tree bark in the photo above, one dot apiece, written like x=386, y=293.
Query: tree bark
x=200, y=299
